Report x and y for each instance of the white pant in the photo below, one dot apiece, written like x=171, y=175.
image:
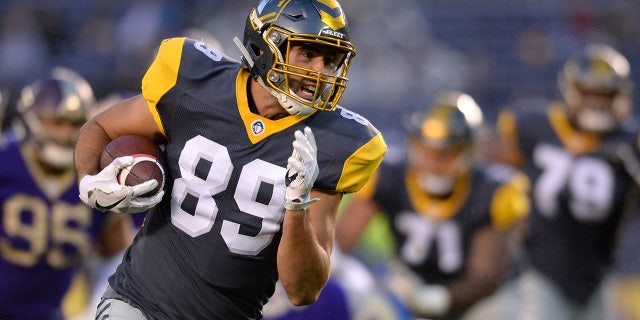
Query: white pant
x=542, y=300
x=501, y=305
x=115, y=309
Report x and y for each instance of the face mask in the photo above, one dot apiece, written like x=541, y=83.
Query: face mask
x=596, y=120
x=57, y=156
x=438, y=185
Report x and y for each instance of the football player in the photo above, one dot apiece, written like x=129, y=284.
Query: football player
x=449, y=217
x=259, y=155
x=45, y=230
x=575, y=154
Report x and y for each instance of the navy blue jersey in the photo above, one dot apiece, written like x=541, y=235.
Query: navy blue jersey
x=579, y=194
x=44, y=231
x=434, y=235
x=208, y=250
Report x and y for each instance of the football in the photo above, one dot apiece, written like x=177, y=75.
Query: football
x=149, y=161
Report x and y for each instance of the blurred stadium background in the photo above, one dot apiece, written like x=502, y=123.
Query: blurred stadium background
x=502, y=52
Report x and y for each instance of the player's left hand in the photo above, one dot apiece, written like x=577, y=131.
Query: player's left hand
x=302, y=171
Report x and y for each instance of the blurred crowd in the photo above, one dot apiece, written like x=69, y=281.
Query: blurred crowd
x=502, y=52
x=505, y=54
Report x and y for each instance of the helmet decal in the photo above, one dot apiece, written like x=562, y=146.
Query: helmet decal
x=333, y=17
x=602, y=69
x=330, y=12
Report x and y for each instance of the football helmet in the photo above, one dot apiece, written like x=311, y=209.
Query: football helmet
x=596, y=88
x=441, y=141
x=62, y=96
x=274, y=27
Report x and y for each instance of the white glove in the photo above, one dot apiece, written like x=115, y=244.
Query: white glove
x=103, y=192
x=302, y=171
x=420, y=297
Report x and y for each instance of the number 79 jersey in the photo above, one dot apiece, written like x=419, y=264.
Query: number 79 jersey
x=579, y=193
x=213, y=241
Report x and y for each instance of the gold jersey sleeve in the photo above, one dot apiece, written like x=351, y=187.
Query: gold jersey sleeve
x=510, y=202
x=162, y=75
x=361, y=166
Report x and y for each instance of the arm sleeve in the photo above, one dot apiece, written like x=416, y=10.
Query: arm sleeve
x=362, y=164
x=162, y=75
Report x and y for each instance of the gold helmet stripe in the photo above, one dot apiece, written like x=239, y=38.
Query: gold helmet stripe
x=334, y=22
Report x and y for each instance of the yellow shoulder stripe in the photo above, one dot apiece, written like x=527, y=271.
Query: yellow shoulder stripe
x=434, y=207
x=267, y=126
x=510, y=202
x=162, y=75
x=575, y=141
x=362, y=164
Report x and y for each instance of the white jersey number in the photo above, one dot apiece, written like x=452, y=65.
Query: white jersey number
x=423, y=233
x=589, y=182
x=206, y=167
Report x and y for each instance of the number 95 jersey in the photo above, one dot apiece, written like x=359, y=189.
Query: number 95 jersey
x=45, y=231
x=213, y=241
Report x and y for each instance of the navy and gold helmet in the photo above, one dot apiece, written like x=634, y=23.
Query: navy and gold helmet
x=596, y=87
x=61, y=96
x=440, y=145
x=450, y=120
x=272, y=28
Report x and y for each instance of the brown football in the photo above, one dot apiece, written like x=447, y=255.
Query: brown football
x=149, y=160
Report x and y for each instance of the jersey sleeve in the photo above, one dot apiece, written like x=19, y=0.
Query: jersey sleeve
x=510, y=202
x=368, y=190
x=162, y=75
x=361, y=165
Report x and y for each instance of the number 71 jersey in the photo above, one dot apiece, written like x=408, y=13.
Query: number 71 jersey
x=213, y=242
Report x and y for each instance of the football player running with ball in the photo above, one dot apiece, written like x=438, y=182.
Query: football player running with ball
x=576, y=153
x=259, y=155
x=450, y=218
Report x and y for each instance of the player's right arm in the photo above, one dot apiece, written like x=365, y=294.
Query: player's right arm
x=136, y=115
x=133, y=115
x=130, y=116
x=100, y=189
